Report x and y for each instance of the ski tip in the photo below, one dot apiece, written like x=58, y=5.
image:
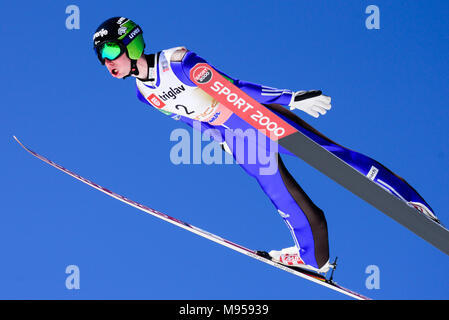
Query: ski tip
x=17, y=140
x=20, y=143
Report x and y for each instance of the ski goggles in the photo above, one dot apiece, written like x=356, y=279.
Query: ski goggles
x=110, y=50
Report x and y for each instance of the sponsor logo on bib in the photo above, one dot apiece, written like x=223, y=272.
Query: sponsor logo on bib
x=155, y=101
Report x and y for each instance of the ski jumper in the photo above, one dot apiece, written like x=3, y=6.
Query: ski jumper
x=170, y=90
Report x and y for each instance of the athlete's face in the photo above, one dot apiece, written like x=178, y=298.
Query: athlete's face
x=120, y=67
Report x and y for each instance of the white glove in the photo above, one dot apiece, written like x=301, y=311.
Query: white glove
x=312, y=102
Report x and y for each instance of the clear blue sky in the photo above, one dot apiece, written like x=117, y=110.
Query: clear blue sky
x=389, y=90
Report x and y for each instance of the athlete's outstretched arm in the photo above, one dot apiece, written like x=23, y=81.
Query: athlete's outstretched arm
x=312, y=102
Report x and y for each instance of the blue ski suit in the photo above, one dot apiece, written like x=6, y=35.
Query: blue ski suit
x=170, y=90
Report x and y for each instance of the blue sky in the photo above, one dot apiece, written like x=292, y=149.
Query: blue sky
x=389, y=90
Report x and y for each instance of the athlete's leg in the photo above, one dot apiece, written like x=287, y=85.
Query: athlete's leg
x=365, y=165
x=304, y=219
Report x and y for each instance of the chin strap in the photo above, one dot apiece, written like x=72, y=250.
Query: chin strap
x=134, y=71
x=151, y=61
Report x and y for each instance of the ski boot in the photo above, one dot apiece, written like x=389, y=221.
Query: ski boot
x=290, y=257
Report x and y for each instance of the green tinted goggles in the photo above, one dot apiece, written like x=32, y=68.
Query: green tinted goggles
x=110, y=51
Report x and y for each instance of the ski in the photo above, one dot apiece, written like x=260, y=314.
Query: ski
x=280, y=131
x=258, y=255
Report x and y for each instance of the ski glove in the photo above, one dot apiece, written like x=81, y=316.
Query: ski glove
x=312, y=102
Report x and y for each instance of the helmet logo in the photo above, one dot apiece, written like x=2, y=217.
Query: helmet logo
x=122, y=30
x=134, y=33
x=100, y=33
x=120, y=21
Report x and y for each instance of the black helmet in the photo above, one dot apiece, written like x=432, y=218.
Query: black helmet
x=116, y=36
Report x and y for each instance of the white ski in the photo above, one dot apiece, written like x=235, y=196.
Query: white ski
x=261, y=256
